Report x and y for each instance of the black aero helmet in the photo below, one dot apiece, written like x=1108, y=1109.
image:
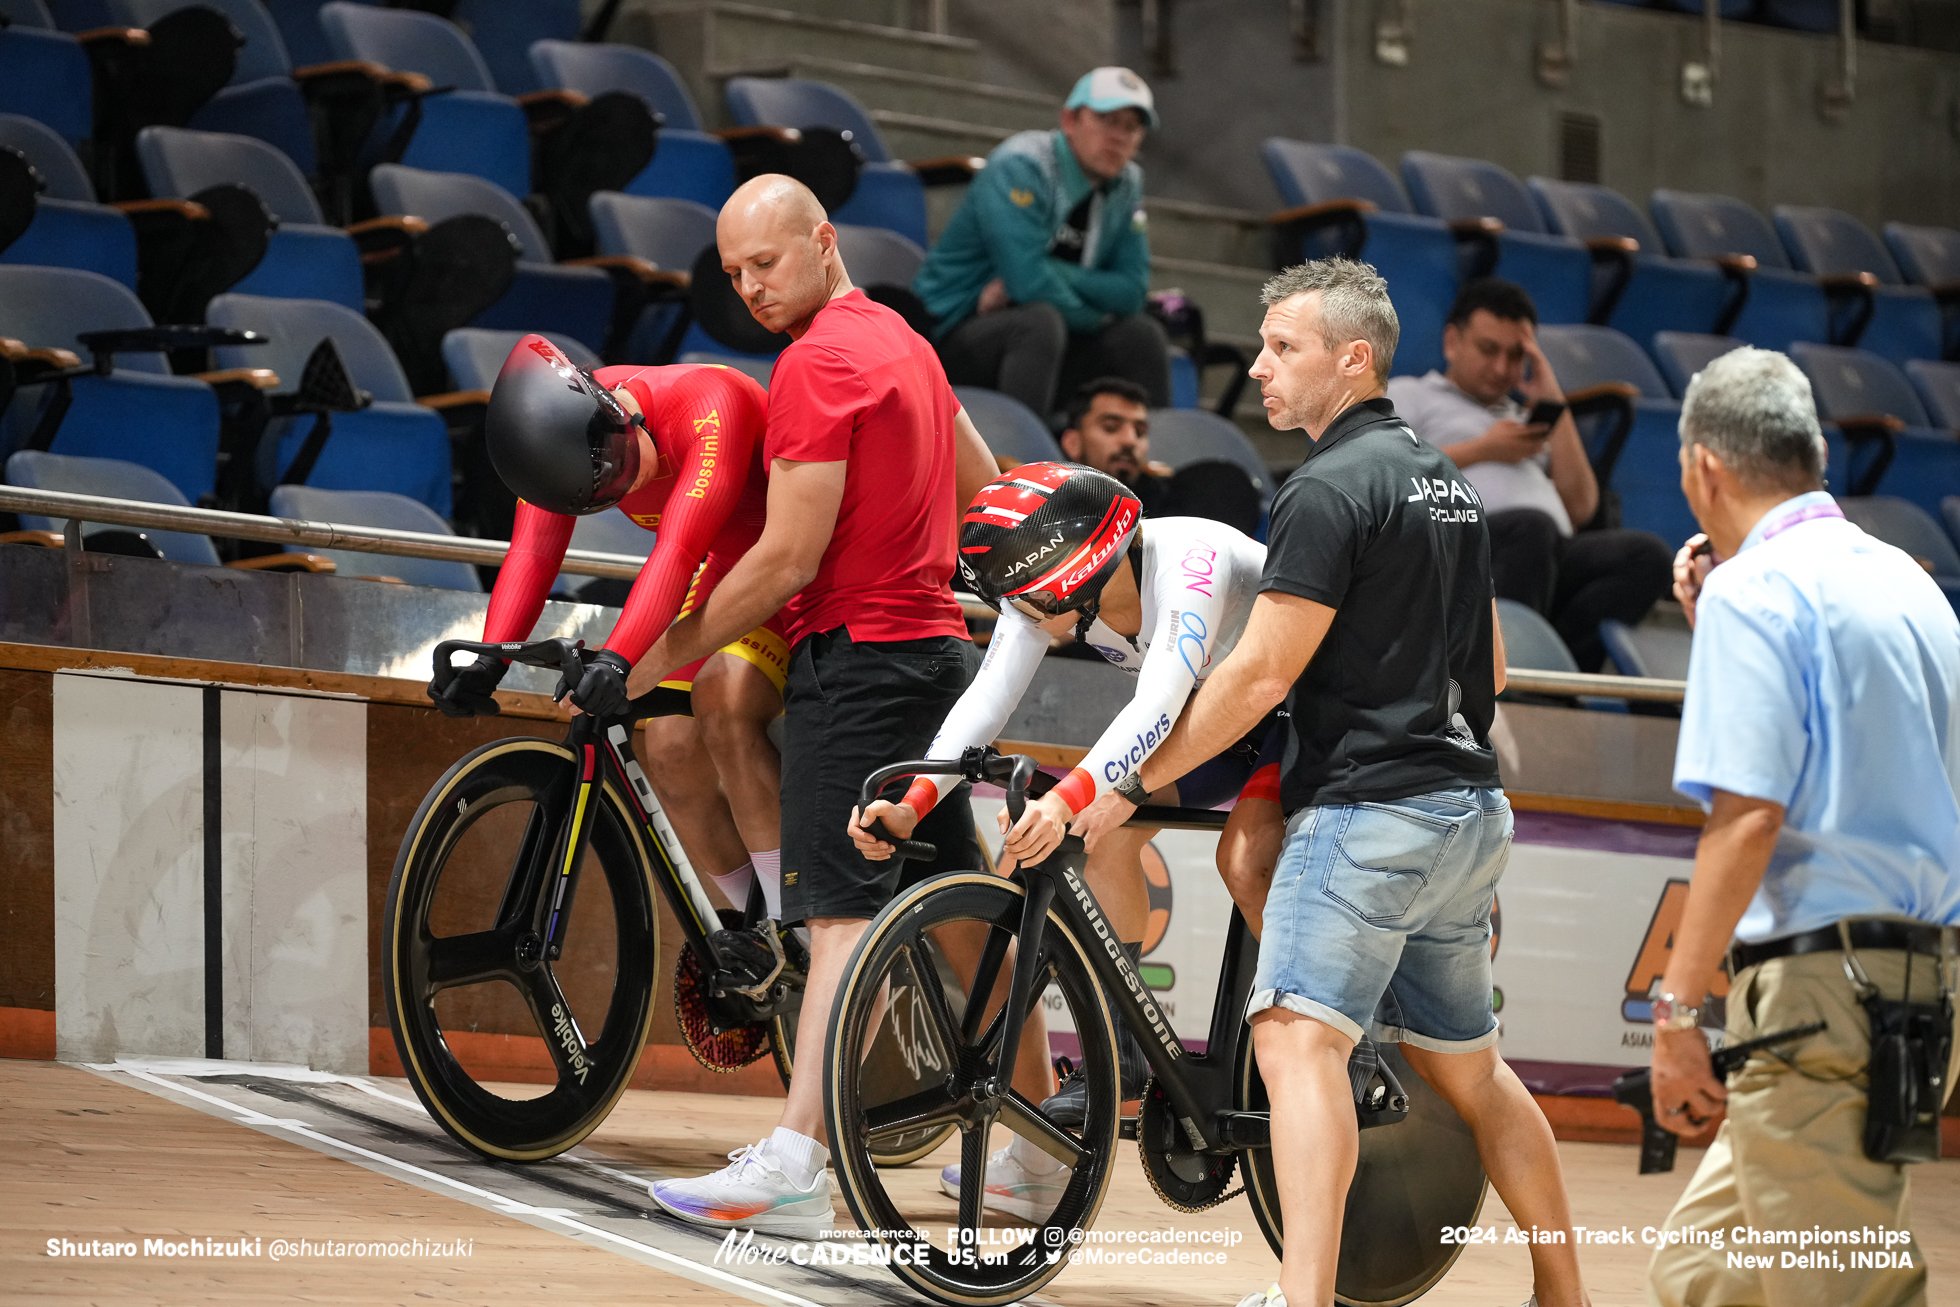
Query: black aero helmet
x=1046, y=536
x=558, y=438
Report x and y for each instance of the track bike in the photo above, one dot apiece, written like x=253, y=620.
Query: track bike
x=522, y=902
x=1202, y=1116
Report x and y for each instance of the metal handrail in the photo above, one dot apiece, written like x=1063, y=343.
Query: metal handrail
x=76, y=509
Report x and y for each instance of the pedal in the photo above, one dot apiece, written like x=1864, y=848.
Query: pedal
x=754, y=957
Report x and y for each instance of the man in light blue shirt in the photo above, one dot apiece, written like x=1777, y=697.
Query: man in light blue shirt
x=1822, y=734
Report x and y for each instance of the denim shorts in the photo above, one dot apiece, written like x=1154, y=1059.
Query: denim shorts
x=1378, y=921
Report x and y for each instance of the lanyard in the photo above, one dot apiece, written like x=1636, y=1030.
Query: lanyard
x=1806, y=515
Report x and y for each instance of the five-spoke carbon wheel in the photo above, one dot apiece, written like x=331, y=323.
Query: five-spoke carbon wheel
x=467, y=985
x=959, y=1035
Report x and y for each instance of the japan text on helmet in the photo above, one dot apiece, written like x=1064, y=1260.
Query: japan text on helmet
x=1046, y=537
x=558, y=438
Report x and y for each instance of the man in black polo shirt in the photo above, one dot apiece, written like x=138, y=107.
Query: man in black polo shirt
x=1376, y=624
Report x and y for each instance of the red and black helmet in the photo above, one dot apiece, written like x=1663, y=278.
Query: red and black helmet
x=1046, y=536
x=557, y=437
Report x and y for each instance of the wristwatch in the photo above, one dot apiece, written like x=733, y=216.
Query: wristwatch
x=1131, y=788
x=1671, y=1014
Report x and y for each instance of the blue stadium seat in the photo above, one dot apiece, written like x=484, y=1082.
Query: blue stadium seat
x=1416, y=254
x=1182, y=437
x=139, y=412
x=27, y=13
x=394, y=444
x=475, y=355
x=1904, y=321
x=262, y=100
x=69, y=230
x=889, y=194
x=375, y=508
x=1556, y=270
x=1783, y=305
x=747, y=364
x=544, y=296
x=667, y=232
x=80, y=15
x=299, y=27
x=688, y=163
x=1938, y=385
x=1530, y=642
x=602, y=533
x=1681, y=354
x=1849, y=384
x=1905, y=525
x=1657, y=293
x=1010, y=428
x=111, y=478
x=878, y=256
x=1645, y=470
x=45, y=76
x=472, y=129
x=1928, y=256
x=305, y=258
x=503, y=33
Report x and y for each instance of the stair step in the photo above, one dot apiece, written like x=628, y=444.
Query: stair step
x=1228, y=293
x=879, y=13
x=907, y=92
x=1209, y=233
x=721, y=34
x=915, y=136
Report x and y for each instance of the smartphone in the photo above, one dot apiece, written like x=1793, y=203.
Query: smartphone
x=1545, y=412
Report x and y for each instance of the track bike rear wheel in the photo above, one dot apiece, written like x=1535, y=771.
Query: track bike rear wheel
x=463, y=974
x=892, y=966
x=1413, y=1180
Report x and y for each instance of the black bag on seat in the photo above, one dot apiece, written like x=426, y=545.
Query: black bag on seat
x=188, y=57
x=184, y=262
x=439, y=281
x=20, y=192
x=825, y=159
x=599, y=146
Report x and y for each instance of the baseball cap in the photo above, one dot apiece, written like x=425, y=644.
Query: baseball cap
x=1111, y=88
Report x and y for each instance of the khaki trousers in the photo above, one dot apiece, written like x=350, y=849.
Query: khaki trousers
x=1790, y=1154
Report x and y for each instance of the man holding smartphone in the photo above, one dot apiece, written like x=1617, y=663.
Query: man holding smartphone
x=1499, y=414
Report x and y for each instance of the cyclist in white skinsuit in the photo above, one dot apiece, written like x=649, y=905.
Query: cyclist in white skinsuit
x=1058, y=548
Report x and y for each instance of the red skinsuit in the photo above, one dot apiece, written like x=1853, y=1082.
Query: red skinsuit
x=706, y=502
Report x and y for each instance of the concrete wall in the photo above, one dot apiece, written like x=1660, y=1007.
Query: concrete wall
x=1037, y=45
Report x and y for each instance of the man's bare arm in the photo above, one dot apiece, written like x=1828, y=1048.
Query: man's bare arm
x=802, y=513
x=1281, y=637
x=974, y=464
x=1497, y=648
x=1572, y=474
x=1730, y=860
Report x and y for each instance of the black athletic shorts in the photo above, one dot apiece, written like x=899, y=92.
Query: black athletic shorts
x=850, y=709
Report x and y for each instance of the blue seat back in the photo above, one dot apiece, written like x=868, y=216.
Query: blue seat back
x=1904, y=525
x=406, y=41
x=1531, y=642
x=1583, y=356
x=262, y=55
x=45, y=76
x=1928, y=256
x=1010, y=428
x=51, y=156
x=1828, y=241
x=434, y=196
x=80, y=15
x=299, y=27
x=182, y=163
x=111, y=478
x=376, y=508
x=1452, y=188
x=597, y=69
x=1699, y=226
x=1938, y=385
x=49, y=307
x=794, y=102
x=295, y=329
x=1855, y=382
x=476, y=355
x=671, y=233
x=1587, y=211
x=876, y=256
x=67, y=234
x=27, y=13
x=1184, y=436
x=503, y=33
x=1309, y=173
x=604, y=533
x=1681, y=354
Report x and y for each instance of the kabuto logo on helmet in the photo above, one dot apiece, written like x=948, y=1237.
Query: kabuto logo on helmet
x=1046, y=535
x=563, y=366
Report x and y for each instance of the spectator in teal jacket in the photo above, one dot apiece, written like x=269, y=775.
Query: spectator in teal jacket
x=1038, y=282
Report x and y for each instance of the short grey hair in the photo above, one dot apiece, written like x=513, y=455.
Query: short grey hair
x=1753, y=409
x=1354, y=304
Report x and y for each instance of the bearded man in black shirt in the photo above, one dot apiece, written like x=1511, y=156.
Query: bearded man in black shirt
x=1376, y=624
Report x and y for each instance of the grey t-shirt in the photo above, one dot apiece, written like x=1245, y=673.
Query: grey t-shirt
x=1443, y=415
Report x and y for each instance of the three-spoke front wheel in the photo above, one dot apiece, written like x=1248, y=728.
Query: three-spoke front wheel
x=469, y=989
x=961, y=1028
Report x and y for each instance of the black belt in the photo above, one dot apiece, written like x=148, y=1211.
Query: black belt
x=1903, y=935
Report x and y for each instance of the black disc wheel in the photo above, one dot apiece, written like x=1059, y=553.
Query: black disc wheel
x=1413, y=1180
x=996, y=1256
x=468, y=989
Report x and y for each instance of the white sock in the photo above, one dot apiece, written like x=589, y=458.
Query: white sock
x=735, y=884
x=801, y=1157
x=769, y=870
x=1032, y=1159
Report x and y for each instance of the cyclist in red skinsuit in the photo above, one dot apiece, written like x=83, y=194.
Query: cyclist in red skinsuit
x=702, y=490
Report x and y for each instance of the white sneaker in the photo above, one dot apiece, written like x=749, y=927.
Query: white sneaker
x=1011, y=1187
x=751, y=1193
x=1267, y=1297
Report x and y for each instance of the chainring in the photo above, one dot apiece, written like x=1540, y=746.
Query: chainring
x=1186, y=1180
x=726, y=1051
